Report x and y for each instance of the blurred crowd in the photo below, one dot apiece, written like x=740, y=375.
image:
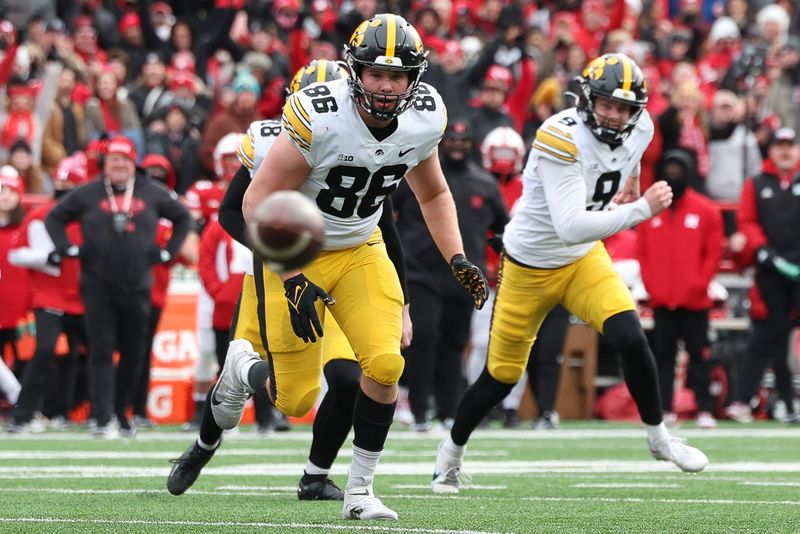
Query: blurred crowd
x=175, y=78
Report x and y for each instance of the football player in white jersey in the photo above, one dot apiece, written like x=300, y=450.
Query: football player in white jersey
x=553, y=254
x=346, y=144
x=342, y=372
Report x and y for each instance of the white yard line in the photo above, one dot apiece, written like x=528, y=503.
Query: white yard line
x=632, y=432
x=350, y=526
x=513, y=468
x=466, y=495
x=623, y=485
x=346, y=452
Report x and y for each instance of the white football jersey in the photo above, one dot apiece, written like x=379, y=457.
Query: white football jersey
x=351, y=172
x=252, y=150
x=256, y=143
x=564, y=138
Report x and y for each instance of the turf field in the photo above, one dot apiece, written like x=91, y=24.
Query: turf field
x=586, y=477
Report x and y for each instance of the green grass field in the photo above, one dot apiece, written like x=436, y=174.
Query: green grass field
x=586, y=477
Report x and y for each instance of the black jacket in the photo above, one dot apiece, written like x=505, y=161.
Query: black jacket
x=122, y=260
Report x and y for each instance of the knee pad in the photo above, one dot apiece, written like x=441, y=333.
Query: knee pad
x=384, y=369
x=297, y=403
x=342, y=374
x=506, y=373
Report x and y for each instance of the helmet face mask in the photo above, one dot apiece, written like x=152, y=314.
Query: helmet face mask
x=385, y=42
x=617, y=78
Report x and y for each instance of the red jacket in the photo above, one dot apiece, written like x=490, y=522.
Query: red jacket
x=220, y=272
x=158, y=292
x=15, y=286
x=679, y=252
x=56, y=292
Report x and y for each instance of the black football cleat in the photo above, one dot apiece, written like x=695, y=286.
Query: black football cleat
x=187, y=468
x=324, y=489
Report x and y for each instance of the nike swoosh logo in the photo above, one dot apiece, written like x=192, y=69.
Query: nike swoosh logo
x=403, y=153
x=214, y=400
x=365, y=493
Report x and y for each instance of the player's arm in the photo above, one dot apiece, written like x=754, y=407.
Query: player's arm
x=428, y=183
x=230, y=211
x=565, y=192
x=439, y=211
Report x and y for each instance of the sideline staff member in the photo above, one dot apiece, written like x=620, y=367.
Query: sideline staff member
x=118, y=214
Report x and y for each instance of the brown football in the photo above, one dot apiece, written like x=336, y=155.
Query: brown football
x=287, y=230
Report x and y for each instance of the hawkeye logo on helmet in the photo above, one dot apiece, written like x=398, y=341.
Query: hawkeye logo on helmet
x=595, y=69
x=389, y=61
x=358, y=35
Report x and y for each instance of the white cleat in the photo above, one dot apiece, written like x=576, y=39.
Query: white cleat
x=361, y=503
x=230, y=393
x=447, y=475
x=675, y=450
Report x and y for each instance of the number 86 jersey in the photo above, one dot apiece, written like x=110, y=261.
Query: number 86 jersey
x=530, y=237
x=352, y=172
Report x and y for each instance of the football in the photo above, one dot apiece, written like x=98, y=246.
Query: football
x=287, y=230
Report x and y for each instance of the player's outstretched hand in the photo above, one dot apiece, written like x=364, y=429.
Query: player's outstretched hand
x=471, y=278
x=302, y=294
x=659, y=196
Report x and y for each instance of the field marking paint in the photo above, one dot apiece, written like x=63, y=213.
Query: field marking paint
x=777, y=484
x=427, y=486
x=633, y=432
x=351, y=526
x=514, y=468
x=623, y=485
x=461, y=496
x=166, y=455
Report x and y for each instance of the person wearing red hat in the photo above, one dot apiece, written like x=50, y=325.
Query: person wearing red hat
x=14, y=281
x=55, y=300
x=488, y=112
x=118, y=216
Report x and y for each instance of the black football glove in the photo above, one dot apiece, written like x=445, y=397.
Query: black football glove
x=302, y=294
x=471, y=278
x=496, y=242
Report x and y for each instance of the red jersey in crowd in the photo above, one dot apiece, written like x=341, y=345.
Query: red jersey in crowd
x=222, y=266
x=679, y=252
x=55, y=288
x=14, y=281
x=204, y=199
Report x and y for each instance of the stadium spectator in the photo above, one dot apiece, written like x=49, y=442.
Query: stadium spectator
x=683, y=125
x=679, y=253
x=440, y=308
x=488, y=113
x=179, y=141
x=733, y=153
x=235, y=118
x=118, y=214
x=14, y=280
x=55, y=300
x=110, y=113
x=149, y=90
x=65, y=130
x=769, y=222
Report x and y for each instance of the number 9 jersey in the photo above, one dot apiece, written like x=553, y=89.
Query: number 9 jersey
x=352, y=172
x=530, y=237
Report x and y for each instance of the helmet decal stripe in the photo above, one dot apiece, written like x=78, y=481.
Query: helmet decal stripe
x=322, y=69
x=627, y=74
x=391, y=34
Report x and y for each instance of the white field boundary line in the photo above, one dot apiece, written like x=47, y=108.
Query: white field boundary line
x=350, y=526
x=516, y=468
x=461, y=496
x=223, y=452
x=634, y=432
